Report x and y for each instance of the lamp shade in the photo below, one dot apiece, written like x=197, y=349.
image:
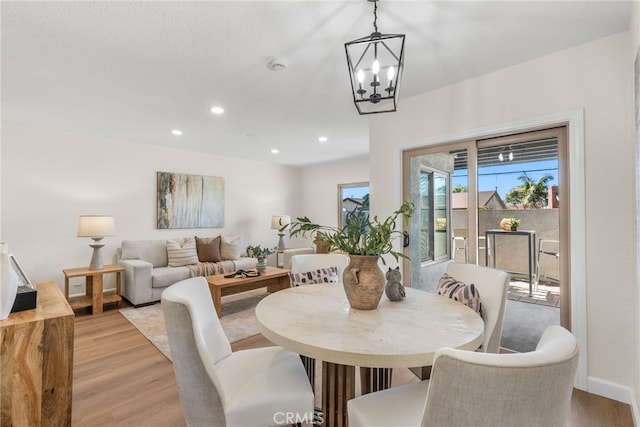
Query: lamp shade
x=280, y=221
x=96, y=226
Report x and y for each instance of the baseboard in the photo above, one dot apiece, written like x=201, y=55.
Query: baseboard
x=611, y=390
x=634, y=409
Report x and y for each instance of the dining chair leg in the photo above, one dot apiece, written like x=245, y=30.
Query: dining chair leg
x=422, y=372
x=375, y=379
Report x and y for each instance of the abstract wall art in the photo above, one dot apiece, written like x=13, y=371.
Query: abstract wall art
x=190, y=201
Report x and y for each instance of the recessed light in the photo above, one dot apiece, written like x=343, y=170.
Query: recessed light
x=274, y=151
x=217, y=110
x=277, y=65
x=323, y=139
x=177, y=132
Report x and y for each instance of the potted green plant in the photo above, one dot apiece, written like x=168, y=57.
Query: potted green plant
x=322, y=245
x=261, y=254
x=514, y=223
x=365, y=240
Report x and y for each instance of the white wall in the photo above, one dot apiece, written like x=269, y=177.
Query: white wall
x=596, y=77
x=634, y=29
x=49, y=178
x=319, y=200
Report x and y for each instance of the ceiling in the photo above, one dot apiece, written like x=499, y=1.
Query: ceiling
x=133, y=71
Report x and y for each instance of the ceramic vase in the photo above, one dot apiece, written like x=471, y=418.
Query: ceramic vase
x=363, y=282
x=8, y=283
x=262, y=264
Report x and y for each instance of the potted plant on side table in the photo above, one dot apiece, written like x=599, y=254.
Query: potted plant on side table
x=365, y=240
x=261, y=254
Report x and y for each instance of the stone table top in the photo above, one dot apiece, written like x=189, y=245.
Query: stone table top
x=317, y=321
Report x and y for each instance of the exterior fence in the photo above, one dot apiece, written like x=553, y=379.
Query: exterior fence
x=512, y=251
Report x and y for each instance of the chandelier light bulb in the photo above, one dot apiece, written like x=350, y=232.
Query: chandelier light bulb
x=360, y=76
x=501, y=157
x=390, y=74
x=375, y=68
x=510, y=156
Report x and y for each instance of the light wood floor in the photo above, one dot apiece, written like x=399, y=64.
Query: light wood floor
x=121, y=379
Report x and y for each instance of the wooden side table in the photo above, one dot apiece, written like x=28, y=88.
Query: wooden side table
x=95, y=296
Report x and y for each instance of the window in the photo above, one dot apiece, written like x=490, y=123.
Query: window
x=434, y=214
x=353, y=198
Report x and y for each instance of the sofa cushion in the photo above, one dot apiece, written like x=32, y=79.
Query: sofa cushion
x=244, y=263
x=153, y=251
x=182, y=252
x=208, y=249
x=230, y=247
x=166, y=276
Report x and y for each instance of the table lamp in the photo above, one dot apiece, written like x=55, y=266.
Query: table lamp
x=280, y=222
x=96, y=227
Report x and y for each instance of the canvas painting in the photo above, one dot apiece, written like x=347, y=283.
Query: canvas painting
x=190, y=201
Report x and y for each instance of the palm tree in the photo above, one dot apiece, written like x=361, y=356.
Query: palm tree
x=530, y=194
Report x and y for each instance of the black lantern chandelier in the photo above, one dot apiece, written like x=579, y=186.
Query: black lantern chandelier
x=375, y=66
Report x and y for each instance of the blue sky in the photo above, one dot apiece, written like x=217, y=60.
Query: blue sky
x=505, y=176
x=355, y=192
x=502, y=177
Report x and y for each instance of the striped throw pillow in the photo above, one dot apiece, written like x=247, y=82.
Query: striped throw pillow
x=461, y=292
x=182, y=253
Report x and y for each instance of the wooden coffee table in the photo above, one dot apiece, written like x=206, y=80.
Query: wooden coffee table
x=274, y=279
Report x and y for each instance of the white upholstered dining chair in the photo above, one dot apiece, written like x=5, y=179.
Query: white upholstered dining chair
x=312, y=262
x=218, y=387
x=470, y=388
x=492, y=286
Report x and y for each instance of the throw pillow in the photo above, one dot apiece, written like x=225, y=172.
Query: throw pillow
x=461, y=292
x=321, y=275
x=230, y=247
x=182, y=253
x=208, y=249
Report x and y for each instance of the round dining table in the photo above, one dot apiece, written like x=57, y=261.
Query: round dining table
x=317, y=321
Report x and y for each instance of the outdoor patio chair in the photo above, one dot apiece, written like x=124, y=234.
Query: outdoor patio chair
x=481, y=389
x=459, y=242
x=546, y=247
x=220, y=388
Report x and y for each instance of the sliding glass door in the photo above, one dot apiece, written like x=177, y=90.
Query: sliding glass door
x=462, y=190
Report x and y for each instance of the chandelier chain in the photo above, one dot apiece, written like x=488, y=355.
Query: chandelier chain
x=375, y=16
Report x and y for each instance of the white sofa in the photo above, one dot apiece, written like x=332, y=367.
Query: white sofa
x=148, y=272
x=272, y=259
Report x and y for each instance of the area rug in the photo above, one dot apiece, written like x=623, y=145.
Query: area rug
x=238, y=321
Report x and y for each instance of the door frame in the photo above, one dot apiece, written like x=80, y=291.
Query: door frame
x=576, y=229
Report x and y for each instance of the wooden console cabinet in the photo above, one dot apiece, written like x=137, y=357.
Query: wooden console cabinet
x=36, y=367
